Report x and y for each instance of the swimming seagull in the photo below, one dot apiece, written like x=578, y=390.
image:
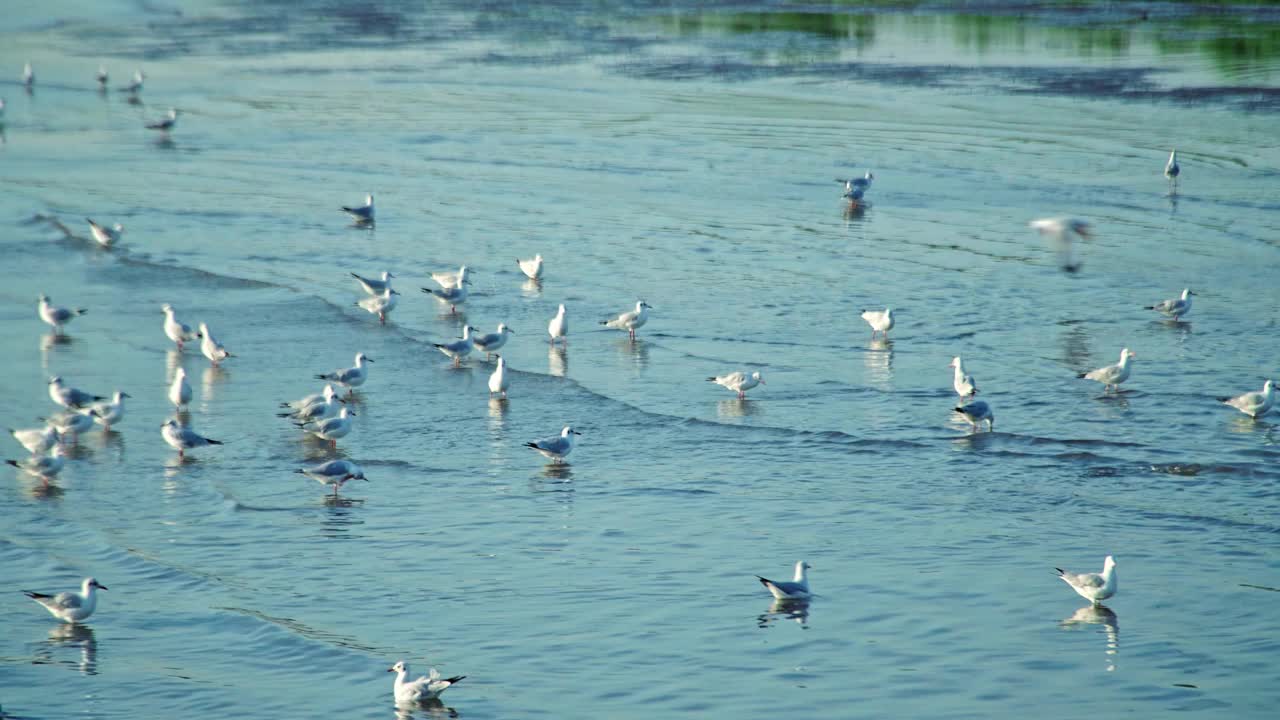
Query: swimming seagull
x=107, y=412
x=42, y=466
x=69, y=397
x=176, y=331
x=362, y=214
x=451, y=296
x=37, y=441
x=976, y=412
x=1254, y=404
x=1093, y=587
x=881, y=321
x=326, y=408
x=28, y=76
x=961, y=380
x=180, y=389
x=855, y=188
x=458, y=349
x=531, y=268
x=558, y=328
x=1176, y=307
x=1171, y=169
x=556, y=447
x=738, y=382
x=182, y=438
x=334, y=472
x=70, y=607
x=106, y=236
x=1060, y=231
x=330, y=428
x=352, y=377
x=167, y=123
x=1112, y=375
x=136, y=85
x=210, y=346
x=631, y=320
x=373, y=286
x=498, y=381
x=797, y=589
x=57, y=316
x=492, y=342
x=380, y=305
x=427, y=687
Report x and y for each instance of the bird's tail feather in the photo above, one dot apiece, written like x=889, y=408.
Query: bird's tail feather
x=455, y=678
x=1061, y=572
x=11, y=462
x=36, y=595
x=211, y=441
x=1080, y=375
x=532, y=445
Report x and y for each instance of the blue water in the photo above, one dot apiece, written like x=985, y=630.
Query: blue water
x=686, y=158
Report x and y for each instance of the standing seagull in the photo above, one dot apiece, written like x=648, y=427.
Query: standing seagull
x=424, y=689
x=326, y=408
x=1060, y=231
x=855, y=188
x=102, y=78
x=797, y=589
x=37, y=441
x=1171, y=169
x=738, y=382
x=881, y=321
x=556, y=447
x=373, y=286
x=44, y=467
x=166, y=124
x=69, y=397
x=335, y=473
x=70, y=423
x=976, y=412
x=451, y=296
x=380, y=305
x=211, y=348
x=1254, y=404
x=1112, y=375
x=961, y=380
x=449, y=279
x=498, y=381
x=106, y=236
x=352, y=377
x=458, y=349
x=180, y=390
x=57, y=316
x=492, y=342
x=330, y=428
x=107, y=412
x=1176, y=307
x=176, y=331
x=28, y=77
x=558, y=328
x=362, y=214
x=182, y=438
x=1093, y=587
x=70, y=607
x=135, y=86
x=531, y=268
x=631, y=320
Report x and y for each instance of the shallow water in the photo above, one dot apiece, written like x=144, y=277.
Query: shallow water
x=685, y=157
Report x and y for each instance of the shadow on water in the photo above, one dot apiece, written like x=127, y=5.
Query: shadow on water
x=1098, y=615
x=797, y=610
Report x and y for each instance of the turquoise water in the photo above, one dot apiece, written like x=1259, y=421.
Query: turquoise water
x=685, y=157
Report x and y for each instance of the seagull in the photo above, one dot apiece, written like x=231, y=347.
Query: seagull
x=1254, y=404
x=1171, y=169
x=631, y=320
x=977, y=411
x=1060, y=231
x=380, y=305
x=326, y=408
x=69, y=397
x=797, y=589
x=37, y=441
x=334, y=472
x=1093, y=587
x=372, y=286
x=166, y=124
x=330, y=428
x=498, y=381
x=102, y=77
x=556, y=447
x=448, y=279
x=451, y=296
x=180, y=389
x=182, y=438
x=558, y=328
x=739, y=382
x=28, y=76
x=42, y=466
x=352, y=377
x=70, y=607
x=855, y=188
x=311, y=399
x=210, y=346
x=176, y=331
x=1176, y=307
x=427, y=687
x=1112, y=375
x=70, y=422
x=531, y=268
x=458, y=349
x=881, y=321
x=363, y=214
x=962, y=381
x=136, y=84
x=106, y=236
x=492, y=342
x=57, y=316
x=107, y=412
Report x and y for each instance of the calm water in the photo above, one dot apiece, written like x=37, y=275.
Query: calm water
x=684, y=157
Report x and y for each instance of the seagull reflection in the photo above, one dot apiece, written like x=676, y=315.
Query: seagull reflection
x=1098, y=615
x=532, y=288
x=784, y=609
x=172, y=361
x=433, y=708
x=637, y=350
x=738, y=407
x=43, y=488
x=210, y=378
x=81, y=636
x=497, y=411
x=558, y=360
x=854, y=212
x=52, y=341
x=558, y=471
x=1075, y=344
x=879, y=361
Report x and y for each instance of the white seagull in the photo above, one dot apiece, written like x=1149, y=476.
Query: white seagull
x=458, y=349
x=493, y=342
x=1060, y=231
x=69, y=397
x=37, y=441
x=498, y=381
x=1112, y=375
x=1175, y=307
x=42, y=466
x=881, y=321
x=326, y=408
x=425, y=688
x=180, y=389
x=1093, y=587
x=330, y=428
x=382, y=304
x=452, y=296
x=1171, y=169
x=102, y=77
x=797, y=589
x=57, y=316
x=363, y=214
x=374, y=286
x=28, y=76
x=738, y=382
x=1254, y=404
x=961, y=380
x=178, y=332
x=976, y=412
x=182, y=438
x=448, y=279
x=135, y=85
x=334, y=472
x=108, y=412
x=532, y=268
x=167, y=123
x=556, y=447
x=558, y=328
x=70, y=423
x=70, y=607
x=210, y=346
x=311, y=399
x=855, y=188
x=352, y=377
x=631, y=320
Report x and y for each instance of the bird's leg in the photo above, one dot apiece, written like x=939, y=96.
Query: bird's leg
x=382, y=318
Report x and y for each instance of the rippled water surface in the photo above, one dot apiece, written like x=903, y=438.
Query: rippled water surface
x=684, y=155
